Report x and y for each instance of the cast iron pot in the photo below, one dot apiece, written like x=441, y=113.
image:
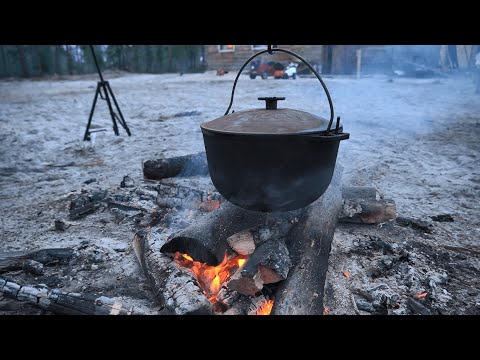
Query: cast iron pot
x=272, y=159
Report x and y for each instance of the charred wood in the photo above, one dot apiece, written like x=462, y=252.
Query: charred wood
x=363, y=205
x=246, y=305
x=176, y=289
x=416, y=224
x=309, y=245
x=171, y=196
x=15, y=260
x=86, y=204
x=206, y=240
x=64, y=303
x=187, y=165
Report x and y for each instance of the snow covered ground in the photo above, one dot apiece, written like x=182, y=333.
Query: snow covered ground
x=415, y=140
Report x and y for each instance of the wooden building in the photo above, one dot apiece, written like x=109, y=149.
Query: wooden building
x=343, y=59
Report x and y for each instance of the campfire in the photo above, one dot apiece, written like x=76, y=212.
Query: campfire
x=208, y=256
x=212, y=278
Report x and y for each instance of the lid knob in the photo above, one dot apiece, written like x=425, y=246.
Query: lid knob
x=271, y=102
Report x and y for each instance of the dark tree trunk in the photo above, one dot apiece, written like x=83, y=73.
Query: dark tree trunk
x=70, y=60
x=23, y=60
x=4, y=69
x=40, y=60
x=57, y=68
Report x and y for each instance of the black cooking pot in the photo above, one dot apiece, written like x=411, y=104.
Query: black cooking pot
x=272, y=159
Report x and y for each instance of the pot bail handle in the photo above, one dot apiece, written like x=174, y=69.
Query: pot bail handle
x=271, y=51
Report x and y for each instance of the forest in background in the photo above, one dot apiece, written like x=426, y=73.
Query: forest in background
x=47, y=60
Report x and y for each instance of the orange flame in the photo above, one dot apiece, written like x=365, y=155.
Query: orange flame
x=187, y=257
x=241, y=262
x=211, y=278
x=265, y=308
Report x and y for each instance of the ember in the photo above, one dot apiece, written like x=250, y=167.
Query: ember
x=421, y=296
x=265, y=308
x=211, y=278
x=208, y=205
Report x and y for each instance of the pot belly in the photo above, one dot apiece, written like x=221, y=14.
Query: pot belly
x=265, y=173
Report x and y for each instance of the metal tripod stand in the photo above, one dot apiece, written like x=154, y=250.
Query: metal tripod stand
x=107, y=94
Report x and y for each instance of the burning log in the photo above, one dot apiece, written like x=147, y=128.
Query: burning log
x=15, y=260
x=64, y=303
x=175, y=289
x=363, y=205
x=251, y=306
x=309, y=245
x=246, y=285
x=187, y=165
x=206, y=240
x=269, y=263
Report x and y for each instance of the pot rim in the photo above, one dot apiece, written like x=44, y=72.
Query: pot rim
x=321, y=134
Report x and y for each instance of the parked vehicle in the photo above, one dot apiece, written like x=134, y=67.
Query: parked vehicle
x=291, y=71
x=272, y=68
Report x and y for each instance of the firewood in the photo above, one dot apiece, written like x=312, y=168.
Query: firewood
x=187, y=165
x=15, y=260
x=246, y=306
x=227, y=296
x=273, y=257
x=242, y=242
x=309, y=245
x=86, y=204
x=206, y=240
x=176, y=289
x=246, y=285
x=363, y=205
x=64, y=303
x=33, y=267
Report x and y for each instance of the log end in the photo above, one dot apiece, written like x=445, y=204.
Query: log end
x=192, y=247
x=242, y=242
x=246, y=285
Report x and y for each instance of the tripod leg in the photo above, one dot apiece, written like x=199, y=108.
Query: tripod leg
x=112, y=113
x=87, y=131
x=121, y=120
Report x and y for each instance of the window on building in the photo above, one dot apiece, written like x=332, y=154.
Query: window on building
x=259, y=47
x=226, y=48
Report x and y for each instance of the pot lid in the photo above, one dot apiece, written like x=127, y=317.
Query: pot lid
x=268, y=121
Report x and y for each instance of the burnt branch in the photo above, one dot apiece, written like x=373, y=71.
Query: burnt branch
x=65, y=303
x=15, y=260
x=187, y=165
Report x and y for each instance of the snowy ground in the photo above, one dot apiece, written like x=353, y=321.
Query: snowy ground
x=415, y=140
